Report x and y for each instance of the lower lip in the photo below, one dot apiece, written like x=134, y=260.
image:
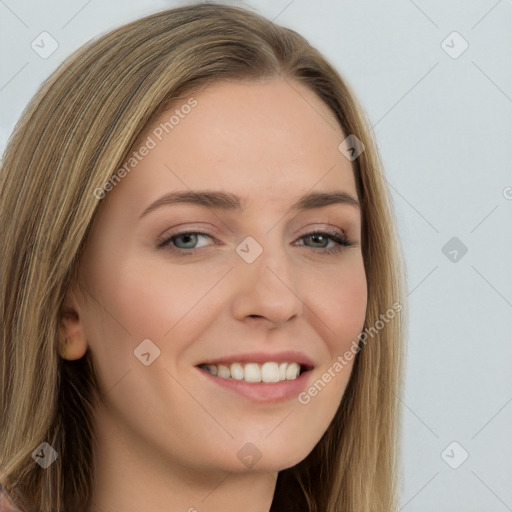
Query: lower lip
x=263, y=392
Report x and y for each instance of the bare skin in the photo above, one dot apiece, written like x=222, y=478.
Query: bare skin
x=168, y=437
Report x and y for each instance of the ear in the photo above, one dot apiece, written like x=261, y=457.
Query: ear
x=73, y=343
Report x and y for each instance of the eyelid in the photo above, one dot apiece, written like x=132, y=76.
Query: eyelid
x=336, y=235
x=331, y=229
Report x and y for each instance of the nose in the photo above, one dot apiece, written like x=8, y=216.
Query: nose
x=266, y=289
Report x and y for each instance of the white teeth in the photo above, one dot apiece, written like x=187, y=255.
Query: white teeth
x=282, y=371
x=237, y=372
x=270, y=372
x=223, y=371
x=292, y=371
x=254, y=372
x=212, y=369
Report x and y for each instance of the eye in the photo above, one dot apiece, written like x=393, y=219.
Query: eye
x=339, y=239
x=184, y=244
x=189, y=238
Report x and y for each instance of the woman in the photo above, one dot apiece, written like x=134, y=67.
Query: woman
x=257, y=371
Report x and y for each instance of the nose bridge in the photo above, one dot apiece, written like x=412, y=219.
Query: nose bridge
x=266, y=284
x=264, y=251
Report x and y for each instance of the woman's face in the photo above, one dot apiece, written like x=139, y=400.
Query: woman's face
x=242, y=285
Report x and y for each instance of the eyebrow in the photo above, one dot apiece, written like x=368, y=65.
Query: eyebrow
x=228, y=201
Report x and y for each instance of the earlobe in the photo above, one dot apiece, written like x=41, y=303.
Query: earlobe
x=73, y=344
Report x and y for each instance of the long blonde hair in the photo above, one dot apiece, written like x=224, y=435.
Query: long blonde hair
x=73, y=136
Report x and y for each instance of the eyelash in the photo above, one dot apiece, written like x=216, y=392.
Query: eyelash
x=339, y=238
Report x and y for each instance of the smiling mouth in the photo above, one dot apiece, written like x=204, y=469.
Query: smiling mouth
x=255, y=372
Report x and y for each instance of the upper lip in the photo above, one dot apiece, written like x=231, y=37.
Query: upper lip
x=263, y=357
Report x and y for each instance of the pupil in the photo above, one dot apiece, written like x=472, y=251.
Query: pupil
x=318, y=237
x=187, y=238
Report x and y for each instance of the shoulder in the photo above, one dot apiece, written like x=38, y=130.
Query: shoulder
x=6, y=503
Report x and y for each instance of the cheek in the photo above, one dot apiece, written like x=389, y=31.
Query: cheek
x=149, y=301
x=339, y=298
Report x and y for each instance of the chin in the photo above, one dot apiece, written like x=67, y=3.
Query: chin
x=271, y=460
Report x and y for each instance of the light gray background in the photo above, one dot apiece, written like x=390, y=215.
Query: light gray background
x=444, y=129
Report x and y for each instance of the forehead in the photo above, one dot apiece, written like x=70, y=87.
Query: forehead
x=269, y=140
